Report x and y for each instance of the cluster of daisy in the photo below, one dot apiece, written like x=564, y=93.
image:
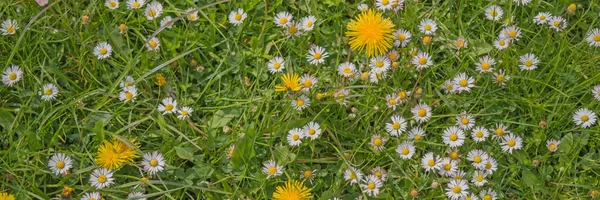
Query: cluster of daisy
x=311, y=130
x=285, y=20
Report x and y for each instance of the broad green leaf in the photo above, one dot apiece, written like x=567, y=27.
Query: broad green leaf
x=184, y=153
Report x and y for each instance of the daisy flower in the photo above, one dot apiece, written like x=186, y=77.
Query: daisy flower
x=293, y=29
x=312, y=130
x=101, y=178
x=308, y=23
x=363, y=7
x=378, y=142
x=184, y=112
x=237, y=17
x=402, y=38
x=308, y=175
x=596, y=92
x=463, y=82
x=153, y=10
x=421, y=112
x=449, y=87
x=557, y=23
x=283, y=19
x=353, y=175
x=392, y=101
x=136, y=195
x=479, y=134
x=511, y=32
x=522, y=2
x=403, y=95
x=295, y=136
x=501, y=43
x=153, y=162
x=91, y=196
x=230, y=151
x=490, y=165
x=397, y=126
x=165, y=22
x=447, y=167
x=488, y=194
x=340, y=96
x=102, y=50
x=308, y=81
x=375, y=76
x=153, y=44
x=192, y=14
x=478, y=157
x=129, y=81
x=494, y=12
x=168, y=106
x=528, y=62
x=542, y=18
x=301, y=103
x=461, y=43
x=422, y=60
x=379, y=64
x=271, y=169
x=465, y=121
x=346, y=69
x=427, y=26
x=500, y=78
x=383, y=5
x=371, y=184
x=276, y=65
x=458, y=175
x=552, y=145
x=457, y=189
x=479, y=178
x=12, y=75
x=500, y=130
x=393, y=55
x=9, y=27
x=593, y=37
x=584, y=117
x=135, y=4
x=379, y=172
x=112, y=4
x=454, y=136
x=511, y=142
x=416, y=133
x=429, y=162
x=485, y=64
x=508, y=21
x=60, y=163
x=128, y=94
x=316, y=55
x=397, y=5
x=49, y=92
x=370, y=31
x=406, y=150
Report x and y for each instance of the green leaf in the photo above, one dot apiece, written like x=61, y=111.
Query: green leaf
x=99, y=131
x=6, y=119
x=220, y=119
x=184, y=153
x=283, y=156
x=529, y=178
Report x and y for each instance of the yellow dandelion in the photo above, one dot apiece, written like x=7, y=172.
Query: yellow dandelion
x=160, y=80
x=6, y=196
x=293, y=190
x=290, y=82
x=371, y=31
x=112, y=155
x=66, y=191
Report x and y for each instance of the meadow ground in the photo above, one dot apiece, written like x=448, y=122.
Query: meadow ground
x=299, y=99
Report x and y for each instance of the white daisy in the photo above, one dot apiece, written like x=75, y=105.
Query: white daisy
x=511, y=142
x=312, y=130
x=463, y=82
x=406, y=150
x=112, y=4
x=316, y=55
x=293, y=29
x=584, y=117
x=479, y=178
x=283, y=19
x=457, y=189
x=383, y=5
x=397, y=5
x=192, y=14
x=371, y=184
x=461, y=43
x=184, y=112
x=393, y=55
x=308, y=23
x=490, y=165
x=168, y=106
x=392, y=101
x=458, y=175
x=485, y=64
x=379, y=172
x=153, y=10
x=488, y=194
x=60, y=163
x=308, y=175
x=135, y=4
x=596, y=92
x=102, y=50
x=552, y=145
x=500, y=78
x=378, y=142
x=346, y=69
x=528, y=62
x=301, y=102
x=128, y=94
x=479, y=134
x=129, y=81
x=416, y=133
x=9, y=27
x=340, y=96
x=427, y=26
x=136, y=195
x=153, y=162
x=429, y=162
x=271, y=169
x=308, y=81
x=422, y=60
x=511, y=32
x=397, y=126
x=402, y=38
x=500, y=130
x=294, y=137
x=12, y=75
x=501, y=43
x=454, y=136
x=403, y=95
x=593, y=37
x=449, y=86
x=49, y=92
x=465, y=121
x=380, y=64
x=375, y=76
x=522, y=2
x=494, y=12
x=477, y=157
x=101, y=178
x=421, y=112
x=153, y=44
x=353, y=175
x=447, y=167
x=276, y=65
x=91, y=196
x=165, y=22
x=363, y=7
x=237, y=17
x=542, y=18
x=557, y=23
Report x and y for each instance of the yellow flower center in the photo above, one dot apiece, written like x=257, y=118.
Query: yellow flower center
x=101, y=178
x=464, y=121
x=293, y=29
x=192, y=16
x=371, y=185
x=479, y=134
x=427, y=27
x=379, y=64
x=12, y=76
x=319, y=95
x=543, y=17
x=453, y=137
x=477, y=159
x=153, y=44
x=460, y=43
x=458, y=177
x=507, y=21
x=572, y=7
x=378, y=174
x=307, y=83
x=485, y=65
x=447, y=166
x=128, y=95
x=597, y=38
x=392, y=101
x=308, y=174
x=309, y=23
x=512, y=34
x=500, y=78
x=60, y=164
x=463, y=83
x=128, y=83
x=431, y=163
x=300, y=102
x=493, y=13
x=401, y=36
x=352, y=175
x=377, y=142
x=488, y=165
x=276, y=65
x=528, y=63
x=487, y=197
x=136, y=4
x=393, y=56
x=426, y=40
x=456, y=189
x=152, y=13
x=552, y=147
x=405, y=151
x=364, y=76
x=317, y=55
x=479, y=178
x=296, y=137
x=103, y=51
x=283, y=20
x=511, y=143
x=584, y=118
x=184, y=113
x=169, y=107
x=10, y=29
x=48, y=91
x=396, y=125
x=502, y=43
x=92, y=198
x=402, y=94
x=422, y=112
x=347, y=70
x=112, y=4
x=238, y=17
x=272, y=170
x=379, y=75
x=153, y=162
x=449, y=86
x=422, y=60
x=499, y=132
x=311, y=131
x=417, y=137
x=557, y=23
x=454, y=155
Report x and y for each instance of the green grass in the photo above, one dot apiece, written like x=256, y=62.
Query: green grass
x=221, y=72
